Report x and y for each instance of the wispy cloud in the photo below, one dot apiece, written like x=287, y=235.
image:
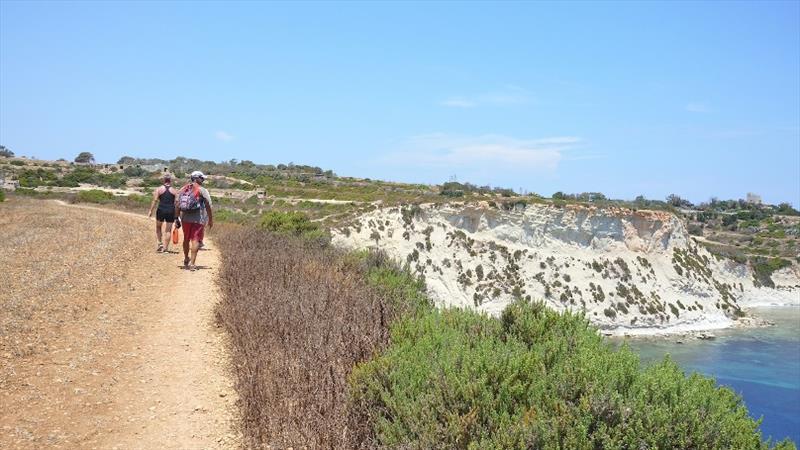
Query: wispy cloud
x=223, y=136
x=509, y=95
x=444, y=150
x=698, y=107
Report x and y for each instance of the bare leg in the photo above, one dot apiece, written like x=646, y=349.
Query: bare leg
x=158, y=231
x=185, y=250
x=195, y=247
x=167, y=236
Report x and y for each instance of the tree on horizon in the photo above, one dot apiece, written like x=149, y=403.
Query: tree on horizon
x=85, y=158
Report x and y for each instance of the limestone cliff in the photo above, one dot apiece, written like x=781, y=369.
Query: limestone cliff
x=631, y=271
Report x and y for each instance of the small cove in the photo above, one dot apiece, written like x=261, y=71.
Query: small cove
x=761, y=364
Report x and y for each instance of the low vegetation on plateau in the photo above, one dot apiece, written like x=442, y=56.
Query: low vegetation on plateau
x=344, y=351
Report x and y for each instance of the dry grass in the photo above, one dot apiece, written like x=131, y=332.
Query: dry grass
x=301, y=316
x=52, y=261
x=104, y=342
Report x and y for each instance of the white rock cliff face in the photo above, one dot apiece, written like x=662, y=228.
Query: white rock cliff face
x=636, y=272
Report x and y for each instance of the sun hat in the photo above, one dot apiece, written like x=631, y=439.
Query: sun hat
x=197, y=175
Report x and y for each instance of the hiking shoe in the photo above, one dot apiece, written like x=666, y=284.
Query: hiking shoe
x=186, y=262
x=160, y=248
x=192, y=268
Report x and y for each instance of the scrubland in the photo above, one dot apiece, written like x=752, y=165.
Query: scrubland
x=338, y=350
x=344, y=350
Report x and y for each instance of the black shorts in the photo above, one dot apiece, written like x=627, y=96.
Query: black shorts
x=164, y=216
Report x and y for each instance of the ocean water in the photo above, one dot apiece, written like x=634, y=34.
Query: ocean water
x=761, y=364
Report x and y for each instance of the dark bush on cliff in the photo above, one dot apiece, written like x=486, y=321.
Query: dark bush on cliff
x=537, y=379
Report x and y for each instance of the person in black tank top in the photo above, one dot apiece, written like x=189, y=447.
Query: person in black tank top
x=164, y=196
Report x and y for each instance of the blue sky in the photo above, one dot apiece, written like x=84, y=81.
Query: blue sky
x=697, y=99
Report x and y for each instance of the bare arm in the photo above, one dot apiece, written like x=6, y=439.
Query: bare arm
x=210, y=215
x=153, y=203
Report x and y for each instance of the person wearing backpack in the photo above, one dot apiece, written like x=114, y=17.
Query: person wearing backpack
x=165, y=197
x=193, y=207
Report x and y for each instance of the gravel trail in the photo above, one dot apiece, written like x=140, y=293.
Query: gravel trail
x=105, y=343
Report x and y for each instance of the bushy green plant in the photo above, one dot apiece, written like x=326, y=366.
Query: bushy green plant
x=28, y=192
x=38, y=177
x=406, y=292
x=114, y=180
x=79, y=175
x=140, y=199
x=2, y=195
x=226, y=215
x=295, y=223
x=95, y=196
x=764, y=267
x=135, y=171
x=537, y=379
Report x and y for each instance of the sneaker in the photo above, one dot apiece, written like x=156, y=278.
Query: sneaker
x=160, y=247
x=186, y=262
x=201, y=245
x=192, y=268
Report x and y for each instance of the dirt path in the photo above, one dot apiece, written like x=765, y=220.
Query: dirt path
x=107, y=344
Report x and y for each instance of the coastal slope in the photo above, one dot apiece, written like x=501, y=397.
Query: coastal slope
x=631, y=271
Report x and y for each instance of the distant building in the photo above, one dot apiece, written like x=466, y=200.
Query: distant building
x=7, y=184
x=153, y=167
x=753, y=199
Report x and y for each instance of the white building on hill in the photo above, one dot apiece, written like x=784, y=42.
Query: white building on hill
x=753, y=199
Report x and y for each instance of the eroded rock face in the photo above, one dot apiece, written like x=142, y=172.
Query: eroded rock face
x=631, y=271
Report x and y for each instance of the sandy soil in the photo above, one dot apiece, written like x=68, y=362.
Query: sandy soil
x=105, y=343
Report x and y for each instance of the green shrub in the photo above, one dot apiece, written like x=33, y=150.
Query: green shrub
x=38, y=177
x=140, y=199
x=287, y=222
x=154, y=181
x=763, y=268
x=17, y=162
x=95, y=196
x=115, y=180
x=134, y=171
x=537, y=379
x=79, y=175
x=226, y=215
x=406, y=292
x=2, y=195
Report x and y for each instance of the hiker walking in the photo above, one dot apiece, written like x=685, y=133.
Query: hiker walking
x=164, y=196
x=193, y=206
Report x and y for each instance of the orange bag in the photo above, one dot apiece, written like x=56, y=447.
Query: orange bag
x=174, y=235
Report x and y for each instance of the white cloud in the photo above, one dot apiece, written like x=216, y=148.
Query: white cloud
x=509, y=95
x=223, y=136
x=698, y=107
x=442, y=150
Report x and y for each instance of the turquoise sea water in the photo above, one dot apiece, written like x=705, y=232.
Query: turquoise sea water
x=761, y=364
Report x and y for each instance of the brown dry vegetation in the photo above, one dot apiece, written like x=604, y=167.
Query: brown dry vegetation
x=301, y=317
